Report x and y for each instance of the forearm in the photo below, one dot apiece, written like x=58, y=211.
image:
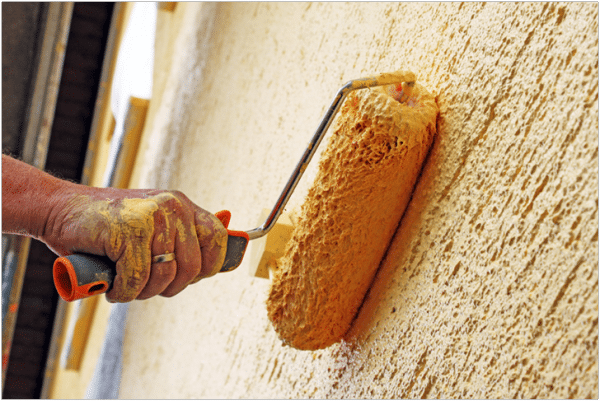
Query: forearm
x=126, y=225
x=28, y=197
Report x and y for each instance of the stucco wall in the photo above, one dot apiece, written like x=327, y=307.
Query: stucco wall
x=490, y=286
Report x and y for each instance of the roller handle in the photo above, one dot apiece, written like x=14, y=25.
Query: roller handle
x=80, y=275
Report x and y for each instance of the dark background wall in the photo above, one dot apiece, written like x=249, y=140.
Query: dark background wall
x=21, y=24
x=22, y=30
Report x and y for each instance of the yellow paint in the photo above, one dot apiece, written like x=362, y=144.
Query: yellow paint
x=118, y=221
x=218, y=240
x=365, y=180
x=181, y=230
x=386, y=78
x=480, y=295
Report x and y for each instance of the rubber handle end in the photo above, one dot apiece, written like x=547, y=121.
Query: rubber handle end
x=73, y=280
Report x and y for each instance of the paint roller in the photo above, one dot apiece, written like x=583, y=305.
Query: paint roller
x=364, y=183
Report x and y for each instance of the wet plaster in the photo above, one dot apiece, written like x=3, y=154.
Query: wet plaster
x=489, y=287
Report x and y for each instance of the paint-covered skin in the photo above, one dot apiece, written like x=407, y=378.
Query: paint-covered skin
x=131, y=226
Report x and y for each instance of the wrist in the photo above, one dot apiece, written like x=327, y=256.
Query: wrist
x=28, y=197
x=57, y=208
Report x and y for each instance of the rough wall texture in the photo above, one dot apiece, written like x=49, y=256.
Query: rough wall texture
x=490, y=286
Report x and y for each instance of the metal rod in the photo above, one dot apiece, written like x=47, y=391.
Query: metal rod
x=383, y=79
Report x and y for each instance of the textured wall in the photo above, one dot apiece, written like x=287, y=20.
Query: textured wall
x=490, y=286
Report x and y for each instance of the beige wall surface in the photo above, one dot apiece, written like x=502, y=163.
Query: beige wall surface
x=490, y=286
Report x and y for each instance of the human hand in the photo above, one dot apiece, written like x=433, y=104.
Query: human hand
x=131, y=226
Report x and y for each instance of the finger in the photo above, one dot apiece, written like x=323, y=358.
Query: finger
x=163, y=273
x=212, y=237
x=187, y=255
x=161, y=276
x=133, y=272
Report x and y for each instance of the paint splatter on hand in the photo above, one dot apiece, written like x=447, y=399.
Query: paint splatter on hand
x=130, y=226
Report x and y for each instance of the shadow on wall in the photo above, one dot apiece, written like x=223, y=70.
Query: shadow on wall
x=394, y=273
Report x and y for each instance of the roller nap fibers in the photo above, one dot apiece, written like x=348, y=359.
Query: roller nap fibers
x=364, y=183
